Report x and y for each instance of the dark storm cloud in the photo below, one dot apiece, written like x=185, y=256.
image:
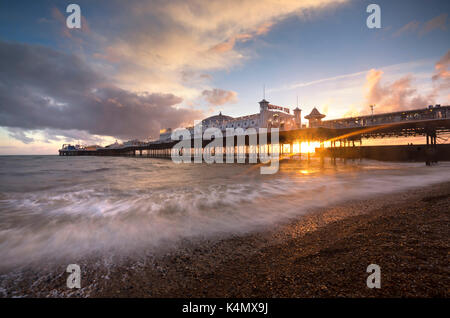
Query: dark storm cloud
x=42, y=88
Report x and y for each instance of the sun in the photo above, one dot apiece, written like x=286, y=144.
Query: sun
x=306, y=147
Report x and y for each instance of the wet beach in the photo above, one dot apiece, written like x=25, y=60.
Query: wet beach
x=322, y=254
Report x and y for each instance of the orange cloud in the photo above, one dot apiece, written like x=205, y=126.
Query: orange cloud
x=163, y=39
x=264, y=28
x=411, y=26
x=439, y=22
x=65, y=31
x=61, y=19
x=351, y=113
x=225, y=46
x=395, y=96
x=442, y=72
x=241, y=37
x=217, y=96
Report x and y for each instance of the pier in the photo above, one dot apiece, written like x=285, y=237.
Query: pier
x=344, y=136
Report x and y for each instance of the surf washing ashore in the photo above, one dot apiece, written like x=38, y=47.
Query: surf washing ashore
x=152, y=228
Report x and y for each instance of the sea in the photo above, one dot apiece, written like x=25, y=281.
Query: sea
x=54, y=208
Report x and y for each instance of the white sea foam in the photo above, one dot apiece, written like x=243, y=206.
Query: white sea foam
x=118, y=208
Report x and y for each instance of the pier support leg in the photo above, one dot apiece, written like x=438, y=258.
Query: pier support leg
x=431, y=148
x=309, y=151
x=322, y=154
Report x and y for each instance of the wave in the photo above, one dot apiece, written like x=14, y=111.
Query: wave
x=152, y=209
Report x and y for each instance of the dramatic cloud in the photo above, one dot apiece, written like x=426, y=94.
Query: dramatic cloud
x=162, y=47
x=217, y=97
x=41, y=88
x=395, y=96
x=159, y=41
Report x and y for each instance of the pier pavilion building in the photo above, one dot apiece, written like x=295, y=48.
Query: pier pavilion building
x=269, y=116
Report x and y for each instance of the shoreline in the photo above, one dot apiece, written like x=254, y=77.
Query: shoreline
x=321, y=254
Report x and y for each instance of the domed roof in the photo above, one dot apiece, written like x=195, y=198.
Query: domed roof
x=217, y=118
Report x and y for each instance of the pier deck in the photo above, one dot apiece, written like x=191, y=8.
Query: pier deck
x=347, y=138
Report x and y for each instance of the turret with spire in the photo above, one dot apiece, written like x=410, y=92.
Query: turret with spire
x=315, y=118
x=298, y=117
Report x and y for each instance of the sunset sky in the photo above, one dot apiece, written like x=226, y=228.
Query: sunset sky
x=138, y=66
